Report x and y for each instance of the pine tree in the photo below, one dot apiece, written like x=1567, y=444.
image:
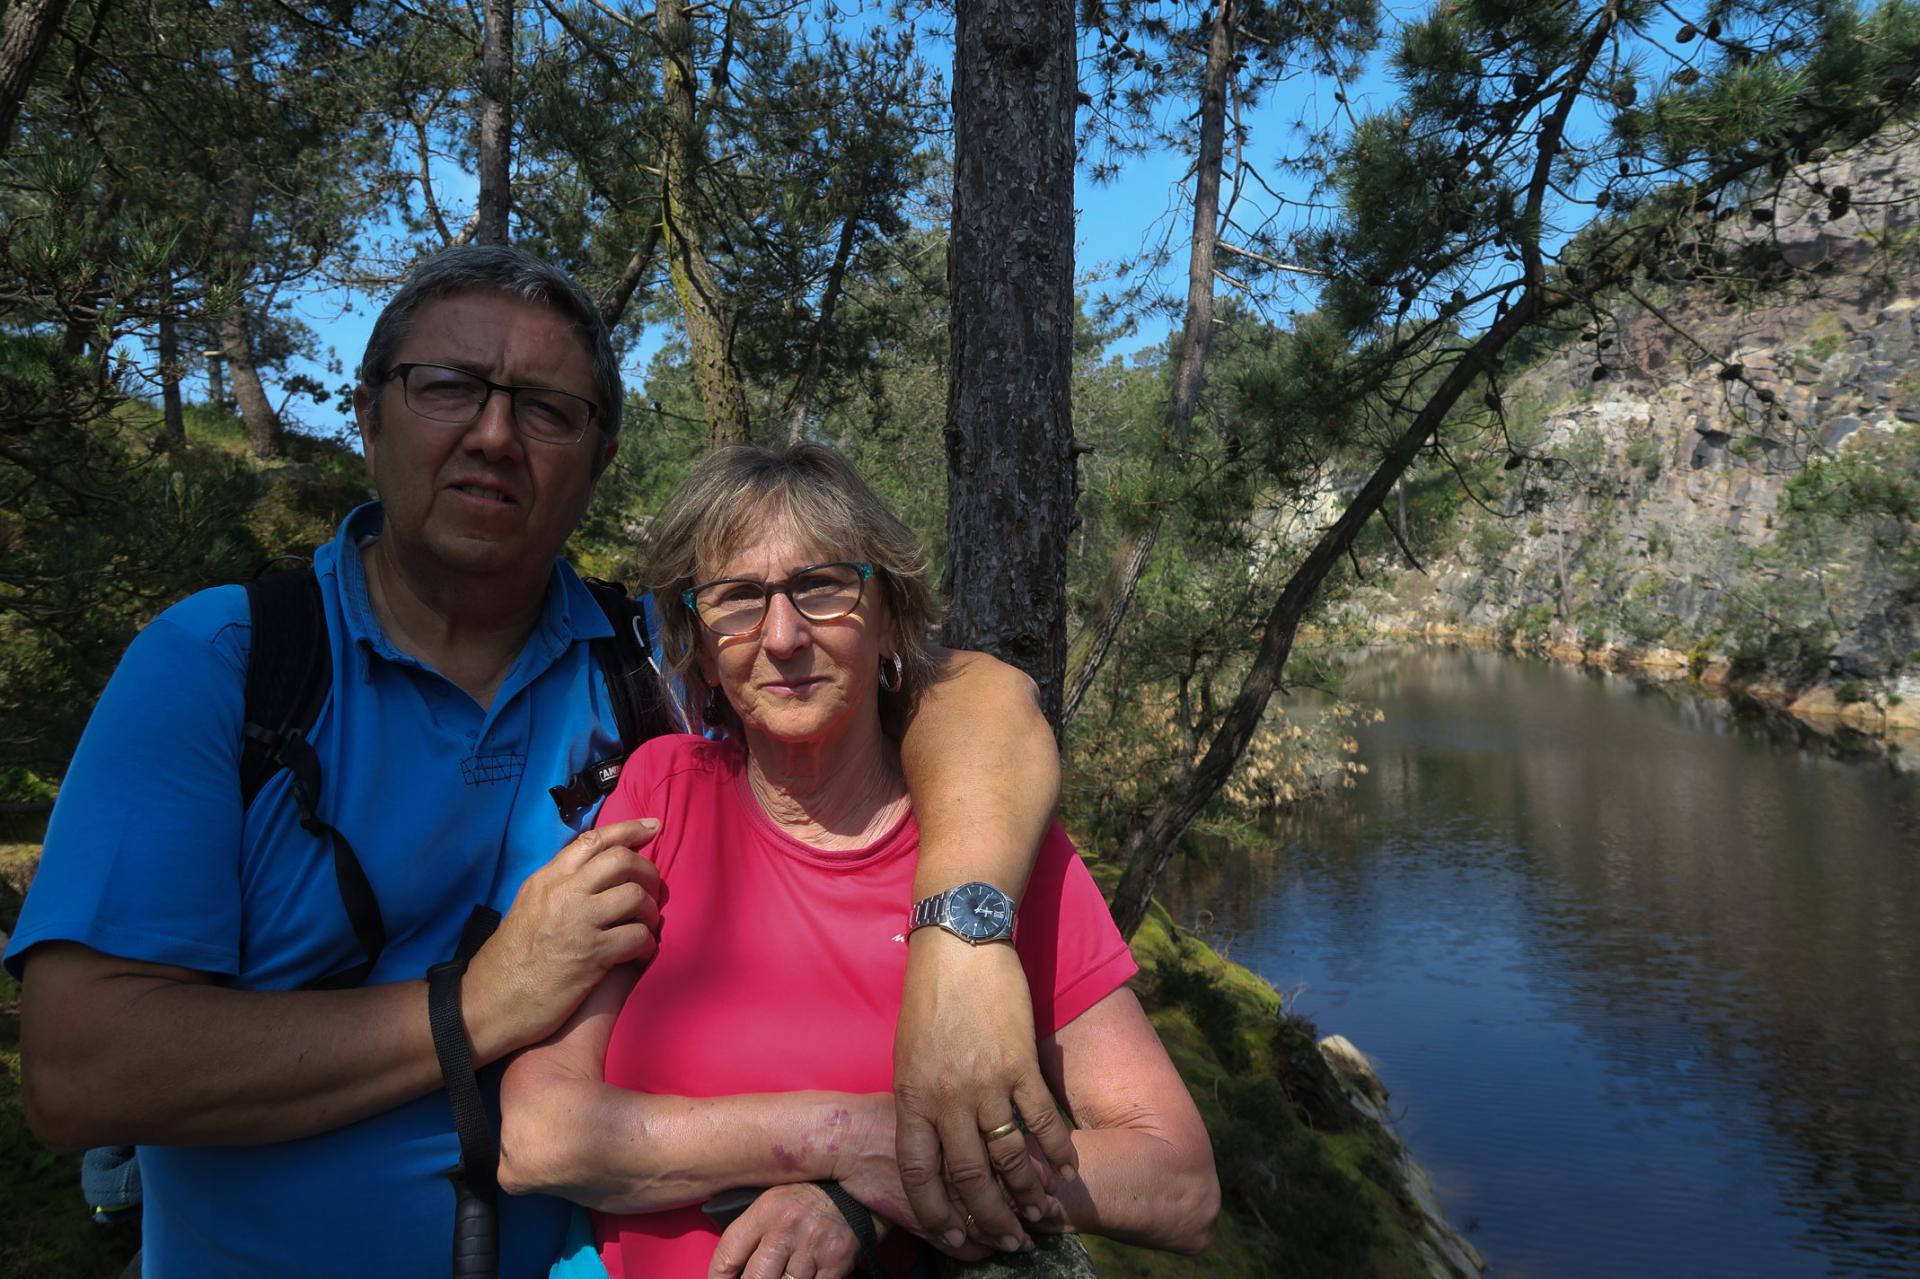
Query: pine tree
x=1517, y=123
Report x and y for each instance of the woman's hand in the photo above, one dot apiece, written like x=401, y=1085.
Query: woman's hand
x=793, y=1232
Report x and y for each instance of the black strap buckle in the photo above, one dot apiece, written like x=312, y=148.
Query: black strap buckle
x=586, y=788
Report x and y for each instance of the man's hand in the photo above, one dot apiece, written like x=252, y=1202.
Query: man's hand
x=593, y=906
x=965, y=1068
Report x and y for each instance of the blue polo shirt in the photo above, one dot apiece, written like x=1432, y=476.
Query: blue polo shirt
x=150, y=856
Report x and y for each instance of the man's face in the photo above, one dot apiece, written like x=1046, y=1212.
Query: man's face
x=481, y=500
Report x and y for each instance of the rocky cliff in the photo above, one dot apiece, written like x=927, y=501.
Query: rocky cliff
x=1720, y=478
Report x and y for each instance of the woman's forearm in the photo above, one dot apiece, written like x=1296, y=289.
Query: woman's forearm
x=620, y=1151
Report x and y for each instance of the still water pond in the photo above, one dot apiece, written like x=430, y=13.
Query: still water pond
x=1643, y=975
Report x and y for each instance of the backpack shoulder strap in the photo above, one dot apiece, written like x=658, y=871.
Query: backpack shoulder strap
x=626, y=660
x=289, y=672
x=289, y=669
x=639, y=706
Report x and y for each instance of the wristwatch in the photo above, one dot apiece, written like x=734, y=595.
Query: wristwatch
x=975, y=913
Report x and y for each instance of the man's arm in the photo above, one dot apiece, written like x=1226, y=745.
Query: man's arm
x=981, y=762
x=117, y=1051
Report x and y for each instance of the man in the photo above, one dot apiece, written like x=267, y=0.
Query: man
x=170, y=943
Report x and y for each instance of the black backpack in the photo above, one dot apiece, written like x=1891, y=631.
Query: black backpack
x=289, y=673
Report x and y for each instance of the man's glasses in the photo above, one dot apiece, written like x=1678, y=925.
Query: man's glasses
x=457, y=397
x=818, y=592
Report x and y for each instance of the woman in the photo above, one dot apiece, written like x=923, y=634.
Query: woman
x=757, y=1049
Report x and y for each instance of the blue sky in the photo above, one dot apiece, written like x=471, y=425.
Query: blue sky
x=1114, y=220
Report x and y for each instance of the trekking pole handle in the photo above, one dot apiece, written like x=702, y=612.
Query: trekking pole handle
x=476, y=1235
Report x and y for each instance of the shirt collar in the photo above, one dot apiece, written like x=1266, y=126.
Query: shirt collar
x=569, y=614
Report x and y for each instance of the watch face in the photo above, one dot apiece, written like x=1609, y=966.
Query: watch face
x=980, y=911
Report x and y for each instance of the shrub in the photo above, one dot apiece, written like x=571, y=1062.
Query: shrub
x=1532, y=624
x=1701, y=653
x=1642, y=615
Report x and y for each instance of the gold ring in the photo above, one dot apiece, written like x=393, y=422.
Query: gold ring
x=969, y=1223
x=1007, y=1129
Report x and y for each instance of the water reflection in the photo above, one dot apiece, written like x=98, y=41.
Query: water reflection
x=1641, y=969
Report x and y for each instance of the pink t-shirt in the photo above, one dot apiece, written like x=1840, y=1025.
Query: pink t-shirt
x=780, y=965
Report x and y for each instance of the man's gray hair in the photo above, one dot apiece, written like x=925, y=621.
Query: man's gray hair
x=497, y=268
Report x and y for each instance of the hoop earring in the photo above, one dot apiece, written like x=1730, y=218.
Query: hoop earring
x=899, y=673
x=715, y=710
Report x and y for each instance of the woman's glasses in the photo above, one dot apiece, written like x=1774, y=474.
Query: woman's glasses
x=818, y=592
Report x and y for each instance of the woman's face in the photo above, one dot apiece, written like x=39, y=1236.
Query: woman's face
x=797, y=680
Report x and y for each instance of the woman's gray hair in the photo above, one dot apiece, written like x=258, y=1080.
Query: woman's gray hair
x=497, y=268
x=730, y=500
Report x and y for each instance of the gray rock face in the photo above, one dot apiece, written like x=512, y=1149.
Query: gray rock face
x=1882, y=643
x=1673, y=523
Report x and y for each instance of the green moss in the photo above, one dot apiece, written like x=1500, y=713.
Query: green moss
x=1307, y=1183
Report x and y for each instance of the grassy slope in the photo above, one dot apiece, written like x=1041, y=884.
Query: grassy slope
x=49, y=1234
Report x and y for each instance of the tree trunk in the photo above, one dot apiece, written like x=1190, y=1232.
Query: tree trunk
x=173, y=418
x=216, y=384
x=264, y=432
x=1010, y=453
x=496, y=123
x=1155, y=840
x=26, y=29
x=1196, y=339
x=703, y=309
x=1560, y=538
x=265, y=435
